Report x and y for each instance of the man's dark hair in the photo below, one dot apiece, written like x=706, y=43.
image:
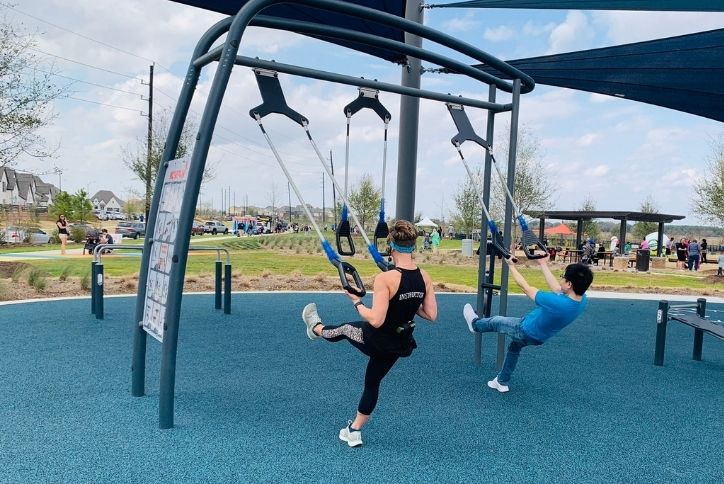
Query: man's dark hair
x=580, y=277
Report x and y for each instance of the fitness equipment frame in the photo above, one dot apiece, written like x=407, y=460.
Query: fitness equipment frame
x=227, y=57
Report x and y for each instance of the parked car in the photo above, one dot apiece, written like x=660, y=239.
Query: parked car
x=131, y=230
x=16, y=235
x=87, y=229
x=215, y=227
x=198, y=228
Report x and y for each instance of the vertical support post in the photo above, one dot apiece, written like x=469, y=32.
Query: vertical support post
x=93, y=287
x=217, y=286
x=99, y=281
x=485, y=295
x=409, y=120
x=227, y=289
x=660, y=249
x=512, y=154
x=699, y=334
x=662, y=317
x=622, y=234
x=579, y=237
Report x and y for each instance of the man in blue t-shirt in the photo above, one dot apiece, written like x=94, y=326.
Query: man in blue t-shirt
x=553, y=311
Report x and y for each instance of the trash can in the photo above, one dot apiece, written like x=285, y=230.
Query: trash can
x=467, y=247
x=643, y=257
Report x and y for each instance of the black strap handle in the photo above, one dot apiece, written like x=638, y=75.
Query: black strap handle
x=344, y=233
x=381, y=233
x=273, y=100
x=346, y=269
x=368, y=98
x=530, y=240
x=465, y=129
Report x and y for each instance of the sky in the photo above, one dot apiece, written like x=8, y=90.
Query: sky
x=614, y=152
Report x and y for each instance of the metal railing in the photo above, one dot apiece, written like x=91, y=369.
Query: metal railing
x=98, y=277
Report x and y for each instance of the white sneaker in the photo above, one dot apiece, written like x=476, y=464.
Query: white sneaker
x=311, y=319
x=470, y=316
x=495, y=385
x=352, y=437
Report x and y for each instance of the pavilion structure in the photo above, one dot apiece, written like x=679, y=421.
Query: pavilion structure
x=581, y=216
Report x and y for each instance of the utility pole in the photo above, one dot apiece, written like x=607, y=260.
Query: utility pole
x=149, y=149
x=334, y=192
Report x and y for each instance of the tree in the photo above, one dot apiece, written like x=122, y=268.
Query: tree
x=467, y=203
x=82, y=206
x=590, y=227
x=145, y=167
x=62, y=204
x=26, y=94
x=365, y=200
x=708, y=200
x=642, y=229
x=533, y=190
x=77, y=207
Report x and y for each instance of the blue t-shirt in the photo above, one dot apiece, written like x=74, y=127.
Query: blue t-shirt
x=552, y=313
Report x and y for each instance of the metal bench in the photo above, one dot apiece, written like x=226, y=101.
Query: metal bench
x=685, y=315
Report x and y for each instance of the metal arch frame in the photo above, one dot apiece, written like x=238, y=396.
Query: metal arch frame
x=227, y=56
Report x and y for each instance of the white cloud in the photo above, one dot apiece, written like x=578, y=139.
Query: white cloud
x=499, y=34
x=626, y=27
x=575, y=33
x=466, y=23
x=588, y=139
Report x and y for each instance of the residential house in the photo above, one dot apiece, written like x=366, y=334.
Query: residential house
x=106, y=202
x=25, y=189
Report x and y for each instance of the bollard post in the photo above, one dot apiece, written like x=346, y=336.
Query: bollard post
x=662, y=317
x=93, y=287
x=217, y=286
x=99, y=290
x=227, y=289
x=698, y=333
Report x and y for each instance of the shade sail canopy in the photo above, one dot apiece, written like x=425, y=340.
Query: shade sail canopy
x=685, y=73
x=300, y=12
x=659, y=5
x=561, y=229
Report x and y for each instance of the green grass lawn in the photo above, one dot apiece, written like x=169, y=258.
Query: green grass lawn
x=287, y=253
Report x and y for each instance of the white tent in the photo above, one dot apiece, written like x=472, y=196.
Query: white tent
x=653, y=240
x=426, y=222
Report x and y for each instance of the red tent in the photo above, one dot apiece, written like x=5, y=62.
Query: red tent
x=561, y=229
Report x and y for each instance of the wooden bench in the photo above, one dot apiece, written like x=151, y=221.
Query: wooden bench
x=697, y=321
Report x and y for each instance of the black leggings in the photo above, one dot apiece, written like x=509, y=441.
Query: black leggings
x=377, y=367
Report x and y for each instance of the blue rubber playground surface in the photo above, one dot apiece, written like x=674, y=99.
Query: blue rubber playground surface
x=256, y=401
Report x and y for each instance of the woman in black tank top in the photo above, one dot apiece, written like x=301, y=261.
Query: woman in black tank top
x=385, y=332
x=62, y=225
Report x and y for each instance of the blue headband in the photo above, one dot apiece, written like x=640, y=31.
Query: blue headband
x=402, y=249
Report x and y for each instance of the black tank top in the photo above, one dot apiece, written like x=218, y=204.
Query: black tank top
x=395, y=335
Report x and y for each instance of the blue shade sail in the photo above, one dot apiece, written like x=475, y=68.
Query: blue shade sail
x=685, y=73
x=325, y=17
x=654, y=5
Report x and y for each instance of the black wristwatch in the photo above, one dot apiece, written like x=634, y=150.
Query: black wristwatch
x=357, y=304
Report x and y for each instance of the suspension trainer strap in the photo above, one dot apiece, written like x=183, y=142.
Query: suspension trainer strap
x=269, y=86
x=467, y=133
x=371, y=248
x=369, y=99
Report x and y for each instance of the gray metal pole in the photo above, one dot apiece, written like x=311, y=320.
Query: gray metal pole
x=512, y=153
x=98, y=282
x=662, y=317
x=93, y=287
x=409, y=120
x=227, y=289
x=138, y=365
x=217, y=285
x=483, y=306
x=698, y=333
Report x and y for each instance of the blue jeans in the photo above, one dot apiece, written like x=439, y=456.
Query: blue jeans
x=693, y=262
x=518, y=340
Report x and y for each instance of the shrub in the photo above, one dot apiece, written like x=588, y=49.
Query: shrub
x=18, y=272
x=77, y=234
x=85, y=281
x=37, y=279
x=64, y=273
